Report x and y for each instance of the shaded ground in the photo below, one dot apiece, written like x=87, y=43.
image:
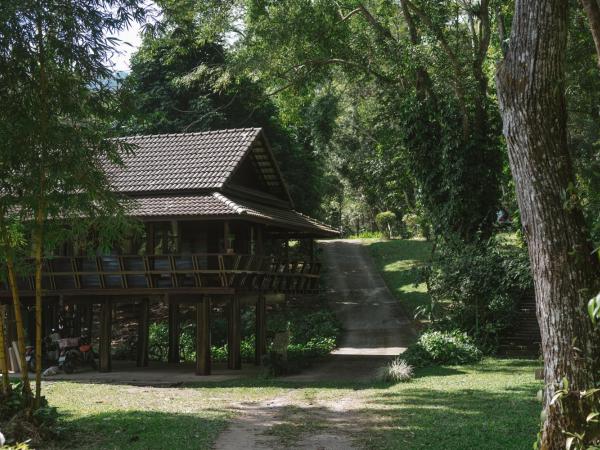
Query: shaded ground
x=156, y=374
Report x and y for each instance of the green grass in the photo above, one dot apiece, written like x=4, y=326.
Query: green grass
x=489, y=406
x=100, y=416
x=396, y=260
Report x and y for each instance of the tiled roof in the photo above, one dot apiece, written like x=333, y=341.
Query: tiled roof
x=218, y=205
x=185, y=161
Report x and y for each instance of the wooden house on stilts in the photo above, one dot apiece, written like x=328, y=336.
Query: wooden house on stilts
x=217, y=217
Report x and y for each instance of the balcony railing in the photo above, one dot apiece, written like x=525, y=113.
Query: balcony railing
x=196, y=272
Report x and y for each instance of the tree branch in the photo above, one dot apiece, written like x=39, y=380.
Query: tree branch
x=455, y=63
x=592, y=9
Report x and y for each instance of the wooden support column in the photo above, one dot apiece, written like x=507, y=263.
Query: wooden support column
x=173, y=331
x=261, y=330
x=105, y=335
x=76, y=320
x=226, y=233
x=260, y=247
x=203, y=337
x=143, y=333
x=88, y=318
x=234, y=356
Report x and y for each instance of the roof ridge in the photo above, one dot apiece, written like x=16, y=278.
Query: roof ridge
x=237, y=208
x=193, y=133
x=312, y=219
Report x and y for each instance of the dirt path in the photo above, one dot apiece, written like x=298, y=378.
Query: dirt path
x=374, y=330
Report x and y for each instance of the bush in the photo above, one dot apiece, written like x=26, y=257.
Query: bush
x=385, y=221
x=476, y=288
x=367, y=235
x=313, y=334
x=416, y=225
x=440, y=347
x=397, y=371
x=19, y=425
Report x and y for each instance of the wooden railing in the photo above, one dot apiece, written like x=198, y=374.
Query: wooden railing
x=254, y=273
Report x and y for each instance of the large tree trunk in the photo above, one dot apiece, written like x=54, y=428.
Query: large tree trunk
x=531, y=90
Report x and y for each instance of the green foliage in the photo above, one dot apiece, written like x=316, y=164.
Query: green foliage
x=442, y=347
x=313, y=334
x=180, y=82
x=385, y=221
x=476, y=287
x=20, y=425
x=367, y=235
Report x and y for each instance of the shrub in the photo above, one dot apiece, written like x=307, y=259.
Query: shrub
x=396, y=371
x=367, y=235
x=385, y=220
x=476, y=288
x=313, y=334
x=416, y=225
x=440, y=347
x=20, y=425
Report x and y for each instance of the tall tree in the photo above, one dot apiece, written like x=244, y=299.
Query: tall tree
x=298, y=45
x=531, y=91
x=56, y=97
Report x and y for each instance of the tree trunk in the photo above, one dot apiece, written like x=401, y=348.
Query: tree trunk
x=592, y=9
x=531, y=91
x=38, y=253
x=3, y=355
x=12, y=281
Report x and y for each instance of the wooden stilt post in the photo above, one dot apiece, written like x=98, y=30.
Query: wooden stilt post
x=88, y=319
x=173, y=331
x=76, y=319
x=143, y=332
x=260, y=249
x=234, y=357
x=261, y=330
x=105, y=335
x=203, y=337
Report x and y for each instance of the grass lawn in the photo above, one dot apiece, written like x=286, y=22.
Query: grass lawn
x=396, y=260
x=490, y=405
x=101, y=416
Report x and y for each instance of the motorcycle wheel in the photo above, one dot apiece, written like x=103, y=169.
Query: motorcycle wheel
x=68, y=367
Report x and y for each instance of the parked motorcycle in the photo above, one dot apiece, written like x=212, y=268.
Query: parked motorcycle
x=74, y=353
